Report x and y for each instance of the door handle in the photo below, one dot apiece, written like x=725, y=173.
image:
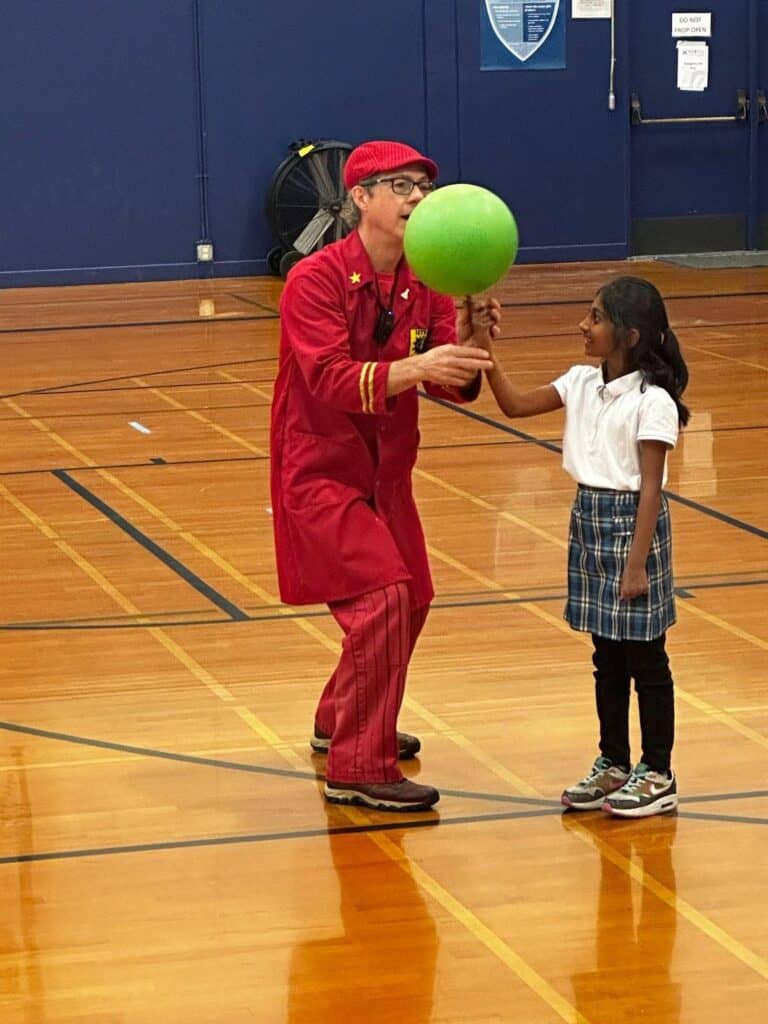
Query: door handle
x=762, y=106
x=742, y=110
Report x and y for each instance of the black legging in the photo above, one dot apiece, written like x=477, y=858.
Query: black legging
x=616, y=663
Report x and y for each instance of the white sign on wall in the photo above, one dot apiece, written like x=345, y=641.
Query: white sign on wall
x=688, y=25
x=591, y=8
x=692, y=65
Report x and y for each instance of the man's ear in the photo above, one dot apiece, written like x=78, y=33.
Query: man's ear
x=360, y=197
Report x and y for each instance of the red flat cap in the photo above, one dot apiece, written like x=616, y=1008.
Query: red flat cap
x=380, y=156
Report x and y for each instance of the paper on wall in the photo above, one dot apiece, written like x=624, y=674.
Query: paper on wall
x=692, y=65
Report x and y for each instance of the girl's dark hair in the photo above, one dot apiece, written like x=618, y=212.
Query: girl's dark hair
x=634, y=303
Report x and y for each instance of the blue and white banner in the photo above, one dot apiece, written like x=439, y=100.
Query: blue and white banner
x=522, y=35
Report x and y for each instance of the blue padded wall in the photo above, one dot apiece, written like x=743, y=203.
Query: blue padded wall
x=132, y=129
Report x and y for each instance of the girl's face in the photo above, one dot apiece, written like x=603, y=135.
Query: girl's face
x=599, y=333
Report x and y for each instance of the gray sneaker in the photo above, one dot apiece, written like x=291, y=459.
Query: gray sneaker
x=646, y=792
x=589, y=794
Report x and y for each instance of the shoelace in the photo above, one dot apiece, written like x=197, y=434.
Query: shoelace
x=597, y=769
x=635, y=781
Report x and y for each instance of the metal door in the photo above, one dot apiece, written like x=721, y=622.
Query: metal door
x=760, y=124
x=695, y=180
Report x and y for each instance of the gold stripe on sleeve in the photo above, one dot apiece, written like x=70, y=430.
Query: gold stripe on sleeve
x=372, y=388
x=363, y=395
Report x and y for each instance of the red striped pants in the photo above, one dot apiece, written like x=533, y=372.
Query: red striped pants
x=361, y=701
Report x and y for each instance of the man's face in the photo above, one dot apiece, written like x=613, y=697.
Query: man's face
x=382, y=208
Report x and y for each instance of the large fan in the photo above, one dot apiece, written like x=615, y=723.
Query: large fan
x=304, y=202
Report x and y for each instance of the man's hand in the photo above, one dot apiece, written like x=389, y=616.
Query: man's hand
x=453, y=366
x=478, y=322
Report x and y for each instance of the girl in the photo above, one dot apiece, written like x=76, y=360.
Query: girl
x=621, y=418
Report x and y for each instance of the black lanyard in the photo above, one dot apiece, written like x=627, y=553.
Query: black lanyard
x=385, y=322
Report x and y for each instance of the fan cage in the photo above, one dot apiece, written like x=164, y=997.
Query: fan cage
x=305, y=199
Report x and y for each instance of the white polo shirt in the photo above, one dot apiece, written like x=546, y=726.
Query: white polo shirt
x=605, y=422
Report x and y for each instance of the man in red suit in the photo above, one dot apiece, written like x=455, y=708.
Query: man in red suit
x=359, y=334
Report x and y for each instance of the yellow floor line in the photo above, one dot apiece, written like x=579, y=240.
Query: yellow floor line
x=266, y=395
x=725, y=358
x=465, y=744
x=218, y=754
x=275, y=742
x=715, y=620
x=481, y=932
x=230, y=435
x=119, y=598
x=552, y=620
x=675, y=902
x=481, y=503
x=558, y=623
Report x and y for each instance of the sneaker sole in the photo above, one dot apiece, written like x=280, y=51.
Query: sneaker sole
x=663, y=806
x=590, y=805
x=351, y=796
x=323, y=746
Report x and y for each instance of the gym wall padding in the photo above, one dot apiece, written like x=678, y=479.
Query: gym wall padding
x=98, y=128
x=131, y=129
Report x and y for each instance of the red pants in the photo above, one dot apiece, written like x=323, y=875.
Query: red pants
x=361, y=701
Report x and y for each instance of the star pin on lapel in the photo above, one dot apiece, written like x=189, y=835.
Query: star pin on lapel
x=405, y=294
x=354, y=277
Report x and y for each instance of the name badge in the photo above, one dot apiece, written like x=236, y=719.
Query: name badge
x=419, y=341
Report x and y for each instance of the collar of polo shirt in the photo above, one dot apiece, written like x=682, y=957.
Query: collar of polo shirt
x=620, y=385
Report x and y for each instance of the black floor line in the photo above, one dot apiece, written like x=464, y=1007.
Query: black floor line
x=166, y=755
x=490, y=422
x=254, y=302
x=736, y=819
x=239, y=766
x=720, y=516
x=573, y=332
x=58, y=417
x=399, y=824
x=65, y=388
x=550, y=446
x=156, y=621
x=292, y=773
x=667, y=298
x=541, y=807
x=151, y=464
x=149, y=545
x=121, y=325
x=224, y=460
x=133, y=389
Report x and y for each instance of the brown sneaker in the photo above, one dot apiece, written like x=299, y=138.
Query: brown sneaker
x=384, y=796
x=408, y=746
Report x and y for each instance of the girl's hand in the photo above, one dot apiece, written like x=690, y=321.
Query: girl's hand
x=477, y=322
x=634, y=582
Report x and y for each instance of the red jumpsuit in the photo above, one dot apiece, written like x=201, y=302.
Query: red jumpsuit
x=347, y=532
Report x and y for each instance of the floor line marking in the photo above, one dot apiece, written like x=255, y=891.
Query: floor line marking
x=680, y=906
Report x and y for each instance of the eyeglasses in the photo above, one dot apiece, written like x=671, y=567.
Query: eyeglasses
x=404, y=186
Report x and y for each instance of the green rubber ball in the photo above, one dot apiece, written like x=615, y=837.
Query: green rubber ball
x=461, y=239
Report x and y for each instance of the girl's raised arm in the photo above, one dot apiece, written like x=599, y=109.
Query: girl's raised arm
x=514, y=402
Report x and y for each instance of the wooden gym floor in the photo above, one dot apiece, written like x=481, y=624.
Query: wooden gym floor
x=165, y=851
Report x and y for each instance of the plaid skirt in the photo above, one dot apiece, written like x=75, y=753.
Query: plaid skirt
x=600, y=536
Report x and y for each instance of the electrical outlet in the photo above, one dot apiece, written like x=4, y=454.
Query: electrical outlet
x=204, y=252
